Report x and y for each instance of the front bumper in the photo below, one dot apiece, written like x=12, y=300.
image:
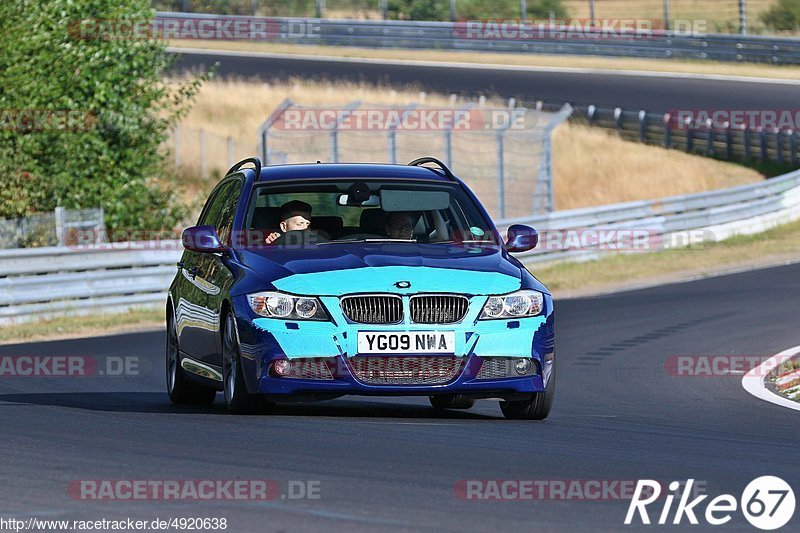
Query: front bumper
x=264, y=340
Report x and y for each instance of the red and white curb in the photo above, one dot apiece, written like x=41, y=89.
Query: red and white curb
x=753, y=381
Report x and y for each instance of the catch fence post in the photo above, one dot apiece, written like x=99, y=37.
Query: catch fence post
x=501, y=174
x=202, y=140
x=643, y=126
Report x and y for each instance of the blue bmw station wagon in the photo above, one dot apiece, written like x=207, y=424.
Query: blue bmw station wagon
x=313, y=281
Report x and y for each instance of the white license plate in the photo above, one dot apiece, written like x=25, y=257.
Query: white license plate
x=407, y=342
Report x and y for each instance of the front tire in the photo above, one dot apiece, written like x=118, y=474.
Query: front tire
x=237, y=399
x=451, y=401
x=179, y=388
x=537, y=408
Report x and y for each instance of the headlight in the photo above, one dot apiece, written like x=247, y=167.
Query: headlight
x=518, y=304
x=286, y=306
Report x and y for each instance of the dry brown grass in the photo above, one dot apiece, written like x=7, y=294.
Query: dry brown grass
x=591, y=167
x=69, y=327
x=534, y=60
x=238, y=108
x=722, y=15
x=775, y=246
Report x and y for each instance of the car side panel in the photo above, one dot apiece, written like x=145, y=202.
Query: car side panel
x=189, y=299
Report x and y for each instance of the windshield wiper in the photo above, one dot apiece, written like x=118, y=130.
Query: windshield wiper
x=374, y=239
x=464, y=242
x=341, y=241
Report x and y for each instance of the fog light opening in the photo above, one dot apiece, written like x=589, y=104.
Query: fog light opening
x=522, y=366
x=282, y=367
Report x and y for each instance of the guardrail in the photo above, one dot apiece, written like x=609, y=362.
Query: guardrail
x=672, y=222
x=471, y=36
x=39, y=282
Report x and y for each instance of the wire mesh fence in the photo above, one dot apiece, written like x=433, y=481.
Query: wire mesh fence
x=206, y=154
x=503, y=154
x=28, y=232
x=62, y=227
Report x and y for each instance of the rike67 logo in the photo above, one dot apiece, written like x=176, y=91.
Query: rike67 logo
x=767, y=503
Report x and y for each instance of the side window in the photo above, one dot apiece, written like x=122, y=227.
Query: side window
x=213, y=206
x=204, y=218
x=221, y=209
x=224, y=224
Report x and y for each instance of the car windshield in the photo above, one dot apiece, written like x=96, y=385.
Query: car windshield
x=366, y=210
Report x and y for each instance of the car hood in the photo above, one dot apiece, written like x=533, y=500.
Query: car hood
x=336, y=269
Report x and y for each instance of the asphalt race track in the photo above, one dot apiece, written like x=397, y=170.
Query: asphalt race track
x=657, y=94
x=393, y=463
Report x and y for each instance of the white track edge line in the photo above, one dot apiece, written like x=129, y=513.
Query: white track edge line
x=753, y=381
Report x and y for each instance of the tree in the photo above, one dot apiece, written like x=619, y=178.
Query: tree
x=473, y=9
x=103, y=106
x=783, y=16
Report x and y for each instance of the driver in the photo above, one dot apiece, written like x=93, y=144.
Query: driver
x=295, y=216
x=400, y=225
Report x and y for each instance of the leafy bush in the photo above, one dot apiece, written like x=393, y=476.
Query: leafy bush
x=290, y=8
x=113, y=87
x=784, y=15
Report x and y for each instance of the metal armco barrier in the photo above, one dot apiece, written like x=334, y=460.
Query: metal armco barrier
x=38, y=282
x=541, y=40
x=669, y=222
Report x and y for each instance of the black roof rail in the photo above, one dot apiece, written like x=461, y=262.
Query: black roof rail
x=422, y=160
x=256, y=161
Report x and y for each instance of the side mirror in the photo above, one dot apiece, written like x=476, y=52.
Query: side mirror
x=521, y=238
x=202, y=239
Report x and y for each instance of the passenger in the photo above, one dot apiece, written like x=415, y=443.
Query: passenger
x=295, y=216
x=400, y=225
